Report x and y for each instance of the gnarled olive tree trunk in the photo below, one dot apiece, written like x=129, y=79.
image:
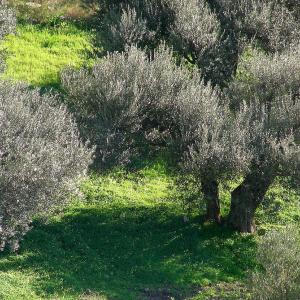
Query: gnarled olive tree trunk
x=246, y=198
x=210, y=190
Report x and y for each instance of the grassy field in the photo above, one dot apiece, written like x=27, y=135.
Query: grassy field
x=130, y=239
x=130, y=236
x=37, y=54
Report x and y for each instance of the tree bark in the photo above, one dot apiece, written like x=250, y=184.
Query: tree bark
x=246, y=198
x=210, y=190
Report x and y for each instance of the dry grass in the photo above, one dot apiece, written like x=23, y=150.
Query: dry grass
x=41, y=11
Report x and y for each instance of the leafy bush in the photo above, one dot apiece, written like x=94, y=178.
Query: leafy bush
x=129, y=94
x=274, y=23
x=40, y=155
x=7, y=19
x=7, y=24
x=279, y=258
x=188, y=25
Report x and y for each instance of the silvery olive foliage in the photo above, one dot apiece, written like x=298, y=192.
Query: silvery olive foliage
x=278, y=255
x=7, y=19
x=7, y=25
x=133, y=22
x=124, y=28
x=271, y=85
x=208, y=33
x=268, y=76
x=195, y=26
x=124, y=96
x=219, y=147
x=128, y=94
x=273, y=133
x=273, y=22
x=41, y=158
x=188, y=25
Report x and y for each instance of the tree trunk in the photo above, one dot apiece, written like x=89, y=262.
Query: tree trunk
x=246, y=198
x=210, y=190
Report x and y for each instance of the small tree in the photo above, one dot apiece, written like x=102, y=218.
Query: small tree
x=270, y=88
x=217, y=151
x=131, y=96
x=40, y=155
x=212, y=35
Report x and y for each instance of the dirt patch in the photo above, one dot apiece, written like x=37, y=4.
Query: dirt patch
x=168, y=293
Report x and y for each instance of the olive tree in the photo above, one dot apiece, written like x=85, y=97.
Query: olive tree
x=208, y=33
x=212, y=35
x=125, y=96
x=128, y=97
x=271, y=89
x=189, y=26
x=41, y=159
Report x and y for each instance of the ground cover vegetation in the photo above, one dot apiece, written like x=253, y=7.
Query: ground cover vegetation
x=192, y=112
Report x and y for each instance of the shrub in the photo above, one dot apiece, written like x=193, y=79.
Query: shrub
x=129, y=94
x=273, y=22
x=7, y=25
x=279, y=257
x=7, y=19
x=188, y=25
x=40, y=155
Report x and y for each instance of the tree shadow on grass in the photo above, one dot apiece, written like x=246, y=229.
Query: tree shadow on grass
x=121, y=251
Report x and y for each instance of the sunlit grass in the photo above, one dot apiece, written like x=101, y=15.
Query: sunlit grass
x=36, y=54
x=127, y=239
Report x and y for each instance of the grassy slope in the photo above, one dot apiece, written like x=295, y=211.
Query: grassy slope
x=129, y=239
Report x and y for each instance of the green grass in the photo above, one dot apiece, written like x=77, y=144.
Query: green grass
x=127, y=240
x=37, y=54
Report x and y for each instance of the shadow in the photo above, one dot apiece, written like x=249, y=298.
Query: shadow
x=122, y=251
